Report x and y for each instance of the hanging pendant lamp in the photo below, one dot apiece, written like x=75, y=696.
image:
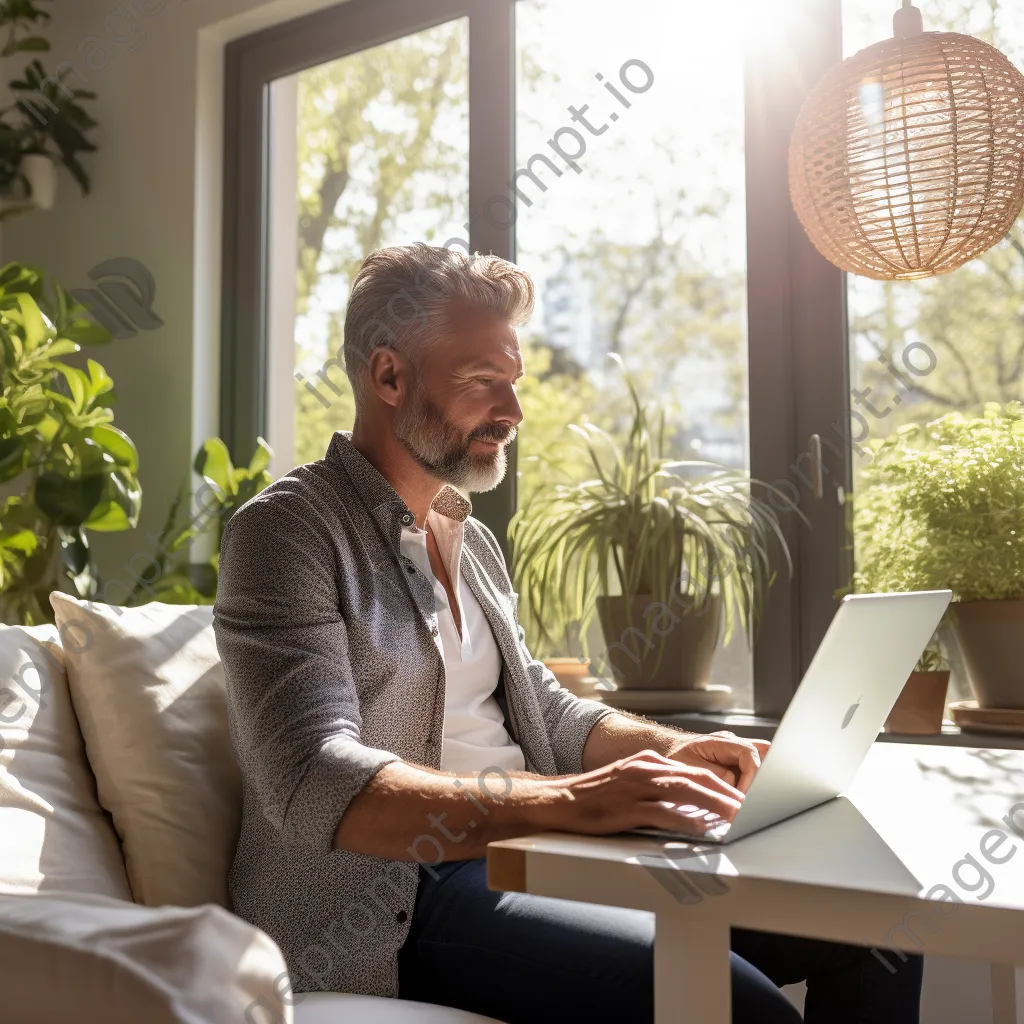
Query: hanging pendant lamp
x=907, y=159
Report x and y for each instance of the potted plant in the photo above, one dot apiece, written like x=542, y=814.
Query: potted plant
x=172, y=577
x=669, y=555
x=921, y=705
x=77, y=472
x=74, y=473
x=948, y=511
x=45, y=124
x=574, y=675
x=884, y=566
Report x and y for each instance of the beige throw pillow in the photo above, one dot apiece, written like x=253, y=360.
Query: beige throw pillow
x=91, y=960
x=148, y=688
x=54, y=836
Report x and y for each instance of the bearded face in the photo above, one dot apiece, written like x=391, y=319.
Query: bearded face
x=473, y=462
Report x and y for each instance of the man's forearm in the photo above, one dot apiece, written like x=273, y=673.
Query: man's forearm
x=410, y=813
x=619, y=735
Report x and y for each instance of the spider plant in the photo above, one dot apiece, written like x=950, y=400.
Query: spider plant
x=684, y=533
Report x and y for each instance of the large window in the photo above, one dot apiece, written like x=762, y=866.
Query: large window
x=368, y=150
x=668, y=241
x=661, y=230
x=921, y=349
x=642, y=250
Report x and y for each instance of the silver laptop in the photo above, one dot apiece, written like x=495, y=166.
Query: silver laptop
x=871, y=647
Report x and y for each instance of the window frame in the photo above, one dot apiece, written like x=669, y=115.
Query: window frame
x=251, y=65
x=797, y=348
x=796, y=300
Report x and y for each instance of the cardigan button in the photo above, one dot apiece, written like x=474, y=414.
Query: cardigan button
x=401, y=917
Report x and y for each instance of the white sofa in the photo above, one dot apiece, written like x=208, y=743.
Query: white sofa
x=118, y=819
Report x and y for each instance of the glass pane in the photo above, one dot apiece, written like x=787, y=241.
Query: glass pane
x=367, y=151
x=921, y=349
x=633, y=228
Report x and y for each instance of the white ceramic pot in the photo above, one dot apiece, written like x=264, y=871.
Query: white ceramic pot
x=41, y=173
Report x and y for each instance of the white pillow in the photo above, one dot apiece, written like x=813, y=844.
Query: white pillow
x=93, y=960
x=336, y=1008
x=54, y=836
x=148, y=687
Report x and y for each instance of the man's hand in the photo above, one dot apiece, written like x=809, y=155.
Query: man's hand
x=731, y=758
x=644, y=790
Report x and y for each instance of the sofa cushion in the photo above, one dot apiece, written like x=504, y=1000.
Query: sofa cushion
x=94, y=960
x=333, y=1008
x=54, y=836
x=149, y=691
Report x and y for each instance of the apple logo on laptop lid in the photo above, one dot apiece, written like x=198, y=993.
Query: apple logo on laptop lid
x=850, y=712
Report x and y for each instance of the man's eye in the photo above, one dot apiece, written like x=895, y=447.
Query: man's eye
x=486, y=381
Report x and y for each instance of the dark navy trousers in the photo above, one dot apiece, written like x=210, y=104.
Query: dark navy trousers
x=533, y=960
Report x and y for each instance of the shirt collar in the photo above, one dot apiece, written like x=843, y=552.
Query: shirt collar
x=382, y=499
x=449, y=534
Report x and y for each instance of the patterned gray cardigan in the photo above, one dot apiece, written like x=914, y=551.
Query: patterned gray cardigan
x=327, y=634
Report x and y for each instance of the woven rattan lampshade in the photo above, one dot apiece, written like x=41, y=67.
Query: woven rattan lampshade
x=908, y=158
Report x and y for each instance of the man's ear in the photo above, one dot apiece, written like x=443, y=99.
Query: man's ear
x=389, y=375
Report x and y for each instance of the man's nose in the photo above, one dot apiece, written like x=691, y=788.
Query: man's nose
x=509, y=410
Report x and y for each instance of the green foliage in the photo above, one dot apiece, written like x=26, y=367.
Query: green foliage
x=20, y=16
x=657, y=301
x=381, y=160
x=932, y=659
x=62, y=131
x=665, y=528
x=316, y=421
x=970, y=319
x=552, y=397
x=77, y=471
x=382, y=134
x=971, y=322
x=48, y=116
x=172, y=578
x=944, y=507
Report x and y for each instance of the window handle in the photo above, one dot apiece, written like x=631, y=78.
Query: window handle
x=817, y=469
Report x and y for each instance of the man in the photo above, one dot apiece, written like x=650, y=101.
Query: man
x=390, y=721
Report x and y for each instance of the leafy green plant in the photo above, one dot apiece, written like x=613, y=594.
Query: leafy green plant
x=46, y=116
x=646, y=525
x=20, y=16
x=172, y=577
x=933, y=658
x=944, y=507
x=78, y=472
x=882, y=569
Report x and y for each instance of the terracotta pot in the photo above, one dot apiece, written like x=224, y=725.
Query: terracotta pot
x=571, y=673
x=919, y=709
x=676, y=655
x=991, y=639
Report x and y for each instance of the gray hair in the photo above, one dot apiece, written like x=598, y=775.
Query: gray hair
x=403, y=296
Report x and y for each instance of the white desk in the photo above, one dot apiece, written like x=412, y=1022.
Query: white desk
x=855, y=870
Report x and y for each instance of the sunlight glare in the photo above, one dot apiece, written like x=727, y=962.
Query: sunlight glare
x=764, y=23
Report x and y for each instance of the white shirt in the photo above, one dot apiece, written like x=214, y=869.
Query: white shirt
x=474, y=736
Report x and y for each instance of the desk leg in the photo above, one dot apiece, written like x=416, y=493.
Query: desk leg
x=691, y=971
x=1004, y=994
